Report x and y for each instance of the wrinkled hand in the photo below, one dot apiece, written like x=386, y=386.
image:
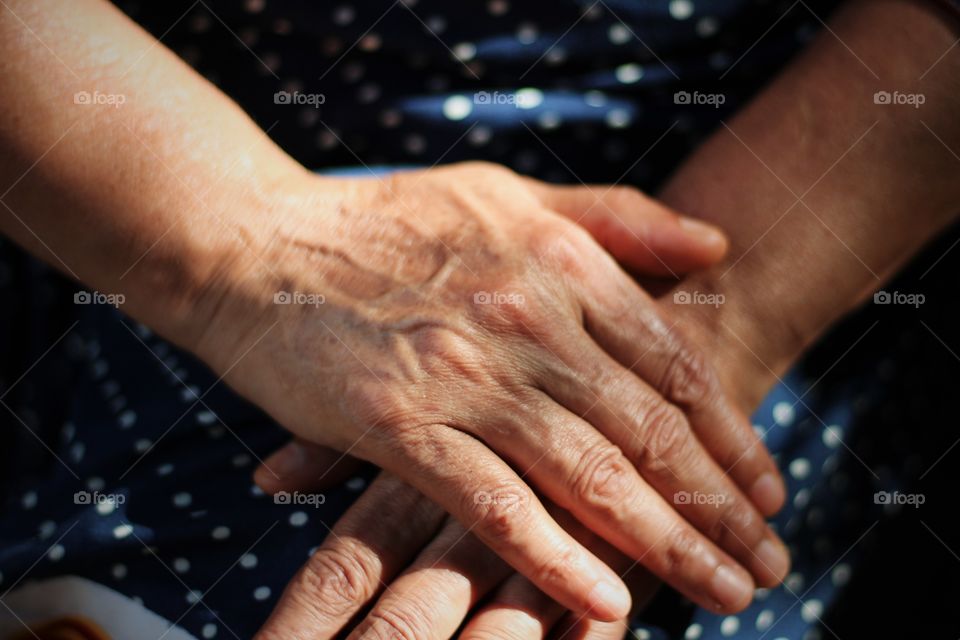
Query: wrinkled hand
x=462, y=335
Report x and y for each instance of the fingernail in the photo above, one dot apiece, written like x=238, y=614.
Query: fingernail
x=705, y=233
x=768, y=494
x=288, y=460
x=611, y=597
x=774, y=558
x=731, y=588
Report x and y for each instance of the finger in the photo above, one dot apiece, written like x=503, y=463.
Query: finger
x=302, y=466
x=640, y=232
x=433, y=596
x=369, y=545
x=495, y=504
x=580, y=470
x=518, y=611
x=628, y=326
x=657, y=439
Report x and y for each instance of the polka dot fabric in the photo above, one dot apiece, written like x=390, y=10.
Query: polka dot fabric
x=126, y=462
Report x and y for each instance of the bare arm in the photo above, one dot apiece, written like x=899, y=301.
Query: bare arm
x=824, y=192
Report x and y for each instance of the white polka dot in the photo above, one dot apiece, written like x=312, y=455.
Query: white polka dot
x=205, y=417
x=165, y=469
x=119, y=571
x=343, y=15
x=693, y=632
x=142, y=445
x=811, y=611
x=832, y=436
x=56, y=552
x=619, y=33
x=465, y=51
x=437, y=24
x=618, y=118
x=220, y=533
x=370, y=42
x=181, y=565
x=415, y=144
x=47, y=528
x=77, y=451
x=794, y=582
x=802, y=498
x=105, y=507
x=549, y=120
x=765, y=619
x=209, y=630
x=478, y=137
x=95, y=483
x=261, y=593
x=127, y=419
x=783, y=414
x=761, y=594
x=248, y=561
x=629, y=73
x=298, y=519
x=240, y=460
x=457, y=107
x=840, y=574
x=182, y=499
x=527, y=34
x=122, y=531
x=29, y=500
x=529, y=98
x=730, y=625
x=498, y=7
x=193, y=596
x=681, y=9
x=707, y=26
x=800, y=468
x=595, y=99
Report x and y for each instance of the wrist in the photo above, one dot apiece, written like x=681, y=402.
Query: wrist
x=225, y=264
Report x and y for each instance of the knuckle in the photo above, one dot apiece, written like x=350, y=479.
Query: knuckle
x=688, y=378
x=560, y=244
x=666, y=443
x=498, y=514
x=558, y=569
x=602, y=477
x=336, y=581
x=625, y=197
x=736, y=526
x=681, y=543
x=393, y=624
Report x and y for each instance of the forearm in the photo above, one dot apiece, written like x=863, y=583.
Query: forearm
x=133, y=194
x=823, y=192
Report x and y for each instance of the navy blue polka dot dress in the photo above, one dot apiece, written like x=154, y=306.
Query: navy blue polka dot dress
x=125, y=461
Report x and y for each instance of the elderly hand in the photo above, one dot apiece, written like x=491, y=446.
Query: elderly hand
x=462, y=335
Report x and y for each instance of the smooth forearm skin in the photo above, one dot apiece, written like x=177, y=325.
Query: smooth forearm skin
x=876, y=183
x=134, y=198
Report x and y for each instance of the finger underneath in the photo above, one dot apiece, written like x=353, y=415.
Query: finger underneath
x=380, y=533
x=433, y=596
x=303, y=466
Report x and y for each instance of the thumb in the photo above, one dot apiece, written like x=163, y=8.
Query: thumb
x=302, y=466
